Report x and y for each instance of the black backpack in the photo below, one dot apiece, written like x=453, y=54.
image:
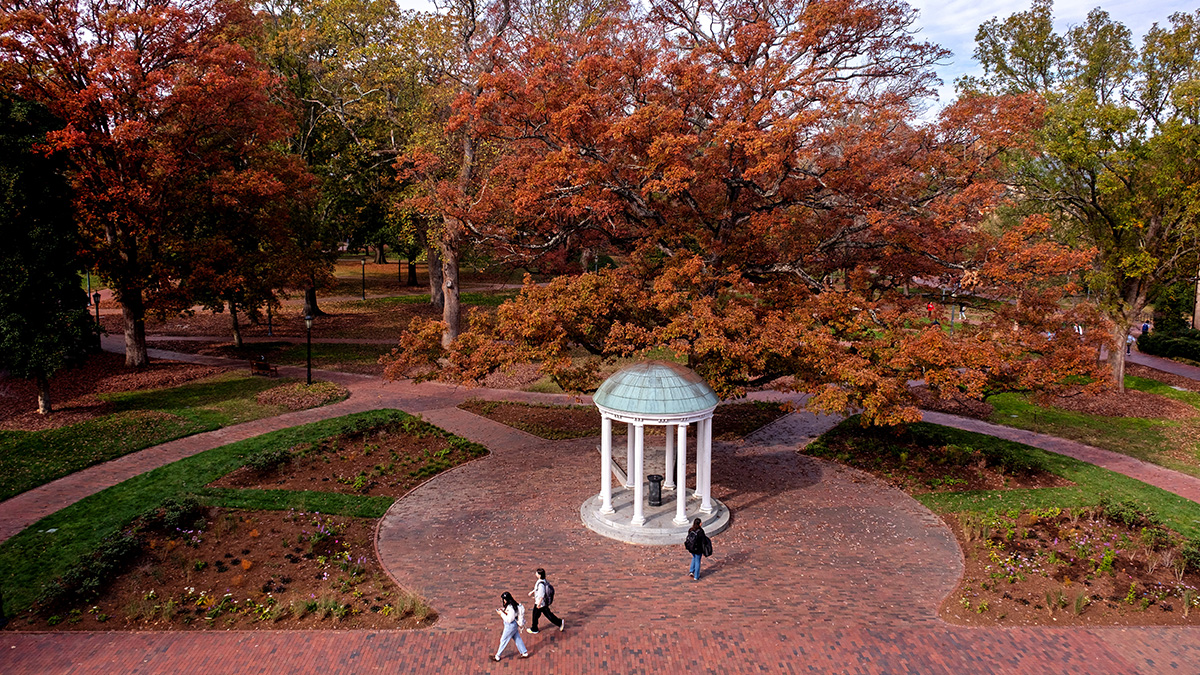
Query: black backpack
x=548, y=595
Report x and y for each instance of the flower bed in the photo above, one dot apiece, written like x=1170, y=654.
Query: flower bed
x=240, y=569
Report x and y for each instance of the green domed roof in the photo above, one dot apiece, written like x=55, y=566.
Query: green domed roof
x=655, y=388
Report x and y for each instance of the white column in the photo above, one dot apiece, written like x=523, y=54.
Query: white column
x=705, y=439
x=629, y=455
x=606, y=465
x=681, y=471
x=669, y=458
x=639, y=488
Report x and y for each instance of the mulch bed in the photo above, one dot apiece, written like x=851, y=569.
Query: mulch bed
x=1128, y=403
x=251, y=570
x=384, y=461
x=300, y=396
x=1162, y=376
x=731, y=421
x=954, y=405
x=917, y=469
x=1069, y=568
x=73, y=392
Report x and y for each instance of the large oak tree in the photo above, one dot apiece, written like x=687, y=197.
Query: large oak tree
x=738, y=157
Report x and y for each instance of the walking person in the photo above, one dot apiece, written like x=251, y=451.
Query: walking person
x=698, y=544
x=513, y=615
x=543, y=596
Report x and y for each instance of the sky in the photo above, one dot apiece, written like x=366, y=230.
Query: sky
x=952, y=23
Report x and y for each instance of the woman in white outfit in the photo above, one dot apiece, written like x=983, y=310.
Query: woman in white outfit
x=513, y=615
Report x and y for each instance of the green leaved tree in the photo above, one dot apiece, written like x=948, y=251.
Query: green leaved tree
x=1117, y=159
x=44, y=322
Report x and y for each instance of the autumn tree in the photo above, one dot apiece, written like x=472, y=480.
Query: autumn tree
x=740, y=156
x=44, y=322
x=157, y=95
x=1116, y=158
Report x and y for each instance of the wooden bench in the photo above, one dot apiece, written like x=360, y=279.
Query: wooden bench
x=263, y=368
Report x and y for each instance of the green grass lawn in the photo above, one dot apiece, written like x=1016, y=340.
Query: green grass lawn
x=329, y=355
x=472, y=298
x=1150, y=440
x=1092, y=483
x=140, y=419
x=48, y=548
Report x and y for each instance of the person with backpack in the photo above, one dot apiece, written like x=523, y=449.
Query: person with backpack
x=543, y=597
x=698, y=544
x=513, y=615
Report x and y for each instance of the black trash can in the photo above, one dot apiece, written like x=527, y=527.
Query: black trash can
x=655, y=489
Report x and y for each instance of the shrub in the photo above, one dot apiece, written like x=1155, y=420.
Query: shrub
x=1128, y=513
x=177, y=514
x=1190, y=552
x=83, y=582
x=268, y=460
x=1183, y=344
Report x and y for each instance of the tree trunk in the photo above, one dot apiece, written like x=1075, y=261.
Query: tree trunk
x=1117, y=357
x=434, y=262
x=233, y=320
x=412, y=273
x=134, y=314
x=450, y=304
x=43, y=387
x=310, y=302
x=380, y=255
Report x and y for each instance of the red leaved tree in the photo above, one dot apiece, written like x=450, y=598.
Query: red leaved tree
x=161, y=98
x=757, y=168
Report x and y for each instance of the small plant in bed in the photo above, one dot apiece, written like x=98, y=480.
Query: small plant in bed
x=387, y=459
x=1117, y=563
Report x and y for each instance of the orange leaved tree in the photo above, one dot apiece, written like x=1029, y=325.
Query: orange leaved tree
x=161, y=99
x=757, y=171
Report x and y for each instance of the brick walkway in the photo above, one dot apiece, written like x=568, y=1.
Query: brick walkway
x=823, y=570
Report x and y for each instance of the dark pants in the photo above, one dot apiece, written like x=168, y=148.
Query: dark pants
x=540, y=611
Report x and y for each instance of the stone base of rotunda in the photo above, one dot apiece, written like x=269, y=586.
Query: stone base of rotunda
x=660, y=528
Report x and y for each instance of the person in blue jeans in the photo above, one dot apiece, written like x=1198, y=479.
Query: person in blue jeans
x=513, y=615
x=698, y=544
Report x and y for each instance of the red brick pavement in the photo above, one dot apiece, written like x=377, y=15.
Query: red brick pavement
x=823, y=570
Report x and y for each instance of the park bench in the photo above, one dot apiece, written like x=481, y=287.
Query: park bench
x=261, y=367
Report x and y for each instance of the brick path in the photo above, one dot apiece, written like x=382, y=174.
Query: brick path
x=823, y=570
x=1165, y=365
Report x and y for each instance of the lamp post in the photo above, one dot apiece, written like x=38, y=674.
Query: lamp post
x=364, y=278
x=269, y=333
x=96, y=304
x=308, y=324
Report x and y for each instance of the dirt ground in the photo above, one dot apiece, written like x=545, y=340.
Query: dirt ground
x=73, y=392
x=386, y=461
x=252, y=570
x=1068, y=568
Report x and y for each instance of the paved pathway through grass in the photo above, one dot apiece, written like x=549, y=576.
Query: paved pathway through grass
x=824, y=570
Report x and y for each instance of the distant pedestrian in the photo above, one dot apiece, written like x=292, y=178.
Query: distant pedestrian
x=698, y=544
x=1145, y=327
x=513, y=615
x=1129, y=340
x=543, y=596
x=929, y=308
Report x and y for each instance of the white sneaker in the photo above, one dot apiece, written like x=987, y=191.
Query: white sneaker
x=562, y=626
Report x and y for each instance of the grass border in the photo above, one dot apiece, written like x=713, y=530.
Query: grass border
x=46, y=549
x=1092, y=483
